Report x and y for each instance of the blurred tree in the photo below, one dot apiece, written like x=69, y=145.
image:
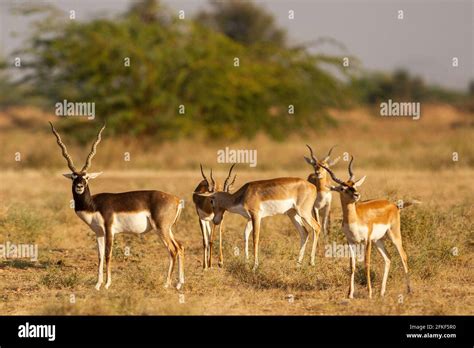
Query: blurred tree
x=13, y=91
x=176, y=64
x=147, y=10
x=375, y=87
x=242, y=21
x=150, y=11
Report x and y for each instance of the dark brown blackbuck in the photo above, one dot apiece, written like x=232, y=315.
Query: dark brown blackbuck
x=368, y=222
x=135, y=212
x=206, y=214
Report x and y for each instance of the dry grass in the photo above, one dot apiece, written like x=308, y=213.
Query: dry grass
x=67, y=255
x=402, y=159
x=377, y=142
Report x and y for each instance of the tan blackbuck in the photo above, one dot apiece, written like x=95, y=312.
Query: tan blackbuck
x=108, y=214
x=322, y=205
x=205, y=213
x=369, y=221
x=258, y=199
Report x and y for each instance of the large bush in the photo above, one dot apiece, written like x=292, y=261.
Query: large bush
x=177, y=62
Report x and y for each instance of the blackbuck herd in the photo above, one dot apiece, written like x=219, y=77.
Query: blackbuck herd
x=306, y=202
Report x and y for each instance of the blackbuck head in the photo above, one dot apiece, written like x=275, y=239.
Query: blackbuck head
x=80, y=178
x=318, y=164
x=207, y=185
x=211, y=186
x=347, y=189
x=217, y=197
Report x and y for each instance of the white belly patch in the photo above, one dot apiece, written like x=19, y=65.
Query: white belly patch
x=137, y=222
x=274, y=207
x=357, y=233
x=378, y=231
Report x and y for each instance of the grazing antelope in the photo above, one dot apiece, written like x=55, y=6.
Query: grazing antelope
x=108, y=214
x=322, y=205
x=206, y=214
x=258, y=199
x=369, y=221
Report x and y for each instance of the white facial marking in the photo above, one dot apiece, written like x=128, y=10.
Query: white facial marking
x=79, y=189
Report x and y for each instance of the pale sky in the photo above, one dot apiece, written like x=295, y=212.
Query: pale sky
x=424, y=42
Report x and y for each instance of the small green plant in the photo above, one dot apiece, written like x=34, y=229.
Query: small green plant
x=22, y=222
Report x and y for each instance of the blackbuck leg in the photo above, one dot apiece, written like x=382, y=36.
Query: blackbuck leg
x=211, y=241
x=221, y=256
x=316, y=214
x=101, y=254
x=172, y=258
x=256, y=235
x=352, y=264
x=315, y=242
x=172, y=254
x=248, y=229
x=328, y=221
x=180, y=255
x=316, y=227
x=368, y=251
x=396, y=237
x=325, y=221
x=109, y=244
x=205, y=243
x=386, y=257
x=304, y=235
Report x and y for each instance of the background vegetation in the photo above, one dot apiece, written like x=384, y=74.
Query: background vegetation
x=176, y=62
x=190, y=63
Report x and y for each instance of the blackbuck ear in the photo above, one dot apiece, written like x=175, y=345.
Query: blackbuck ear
x=205, y=194
x=71, y=176
x=92, y=175
x=309, y=160
x=334, y=161
x=360, y=181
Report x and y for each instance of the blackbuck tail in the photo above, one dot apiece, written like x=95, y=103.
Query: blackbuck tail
x=406, y=204
x=178, y=214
